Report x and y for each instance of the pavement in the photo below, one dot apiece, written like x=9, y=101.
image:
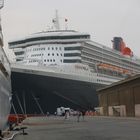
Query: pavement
x=91, y=128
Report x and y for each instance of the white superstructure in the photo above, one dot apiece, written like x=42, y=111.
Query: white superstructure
x=5, y=83
x=72, y=51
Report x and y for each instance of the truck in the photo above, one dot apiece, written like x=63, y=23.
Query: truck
x=62, y=110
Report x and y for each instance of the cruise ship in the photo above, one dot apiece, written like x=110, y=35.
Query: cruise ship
x=5, y=83
x=73, y=67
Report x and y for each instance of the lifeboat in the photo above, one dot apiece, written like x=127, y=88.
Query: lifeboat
x=112, y=68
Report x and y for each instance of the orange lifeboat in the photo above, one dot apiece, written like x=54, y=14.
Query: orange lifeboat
x=113, y=68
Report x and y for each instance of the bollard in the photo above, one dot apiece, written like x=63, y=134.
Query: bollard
x=23, y=130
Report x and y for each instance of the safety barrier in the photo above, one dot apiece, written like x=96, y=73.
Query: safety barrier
x=15, y=119
x=91, y=113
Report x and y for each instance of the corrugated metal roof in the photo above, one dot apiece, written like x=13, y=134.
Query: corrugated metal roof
x=121, y=82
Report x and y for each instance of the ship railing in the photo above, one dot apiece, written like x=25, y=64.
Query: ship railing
x=103, y=47
x=5, y=62
x=109, y=76
x=78, y=76
x=63, y=74
x=67, y=71
x=25, y=44
x=134, y=59
x=54, y=69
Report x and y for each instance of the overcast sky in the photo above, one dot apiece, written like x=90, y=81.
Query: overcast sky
x=102, y=19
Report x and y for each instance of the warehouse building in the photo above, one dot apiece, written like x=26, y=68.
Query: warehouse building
x=121, y=98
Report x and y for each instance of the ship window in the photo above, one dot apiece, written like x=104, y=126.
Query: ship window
x=48, y=48
x=53, y=60
x=19, y=53
x=52, y=48
x=61, y=60
x=47, y=60
x=72, y=54
x=72, y=61
x=18, y=60
x=61, y=54
x=60, y=48
x=56, y=48
x=48, y=54
x=72, y=48
x=57, y=54
x=50, y=60
x=52, y=54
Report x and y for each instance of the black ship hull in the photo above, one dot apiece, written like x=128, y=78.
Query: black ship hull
x=38, y=94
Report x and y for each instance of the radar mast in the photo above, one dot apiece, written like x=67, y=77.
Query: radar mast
x=56, y=21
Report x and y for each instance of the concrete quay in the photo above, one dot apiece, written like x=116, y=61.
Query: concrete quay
x=92, y=128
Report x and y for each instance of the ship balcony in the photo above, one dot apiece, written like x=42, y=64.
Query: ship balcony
x=74, y=57
x=72, y=51
x=11, y=46
x=18, y=50
x=19, y=57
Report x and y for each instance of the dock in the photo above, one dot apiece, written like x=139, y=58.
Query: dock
x=91, y=128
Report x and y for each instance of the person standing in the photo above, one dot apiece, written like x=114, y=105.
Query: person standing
x=78, y=115
x=67, y=114
x=83, y=114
